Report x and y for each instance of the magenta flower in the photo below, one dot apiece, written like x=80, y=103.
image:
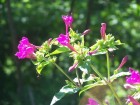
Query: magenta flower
x=65, y=41
x=26, y=49
x=131, y=99
x=124, y=60
x=134, y=77
x=68, y=19
x=92, y=102
x=103, y=30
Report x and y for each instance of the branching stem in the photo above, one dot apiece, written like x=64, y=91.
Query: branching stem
x=108, y=65
x=62, y=71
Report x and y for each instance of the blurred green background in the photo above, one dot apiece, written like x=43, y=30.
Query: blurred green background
x=40, y=20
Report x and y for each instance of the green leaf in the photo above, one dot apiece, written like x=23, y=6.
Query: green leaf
x=99, y=83
x=39, y=56
x=40, y=67
x=63, y=91
x=89, y=79
x=115, y=76
x=100, y=52
x=84, y=66
x=59, y=50
x=118, y=42
x=69, y=83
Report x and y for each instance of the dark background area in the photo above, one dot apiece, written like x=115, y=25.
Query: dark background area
x=40, y=20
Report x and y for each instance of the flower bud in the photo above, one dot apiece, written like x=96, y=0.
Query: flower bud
x=103, y=30
x=93, y=52
x=124, y=60
x=73, y=67
x=86, y=32
x=131, y=99
x=49, y=41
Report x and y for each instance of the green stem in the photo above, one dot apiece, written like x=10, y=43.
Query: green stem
x=83, y=41
x=115, y=94
x=108, y=83
x=98, y=73
x=62, y=71
x=77, y=74
x=108, y=65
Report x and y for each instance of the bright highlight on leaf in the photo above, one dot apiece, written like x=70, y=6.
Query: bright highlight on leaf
x=63, y=91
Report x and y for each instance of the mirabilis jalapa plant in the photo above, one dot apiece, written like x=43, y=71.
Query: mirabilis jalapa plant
x=74, y=43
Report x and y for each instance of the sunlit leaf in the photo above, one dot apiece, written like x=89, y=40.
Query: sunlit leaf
x=87, y=87
x=115, y=76
x=63, y=91
x=59, y=50
x=40, y=67
x=84, y=66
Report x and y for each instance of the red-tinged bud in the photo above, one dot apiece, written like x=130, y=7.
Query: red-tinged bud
x=49, y=41
x=103, y=30
x=73, y=67
x=86, y=32
x=93, y=52
x=124, y=60
x=132, y=100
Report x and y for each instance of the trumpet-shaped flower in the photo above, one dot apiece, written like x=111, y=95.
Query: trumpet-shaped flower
x=68, y=19
x=65, y=41
x=134, y=77
x=26, y=49
x=103, y=30
x=92, y=102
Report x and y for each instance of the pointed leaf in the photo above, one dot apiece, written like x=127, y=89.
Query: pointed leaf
x=115, y=76
x=63, y=91
x=84, y=66
x=40, y=67
x=99, y=83
x=59, y=50
x=100, y=52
